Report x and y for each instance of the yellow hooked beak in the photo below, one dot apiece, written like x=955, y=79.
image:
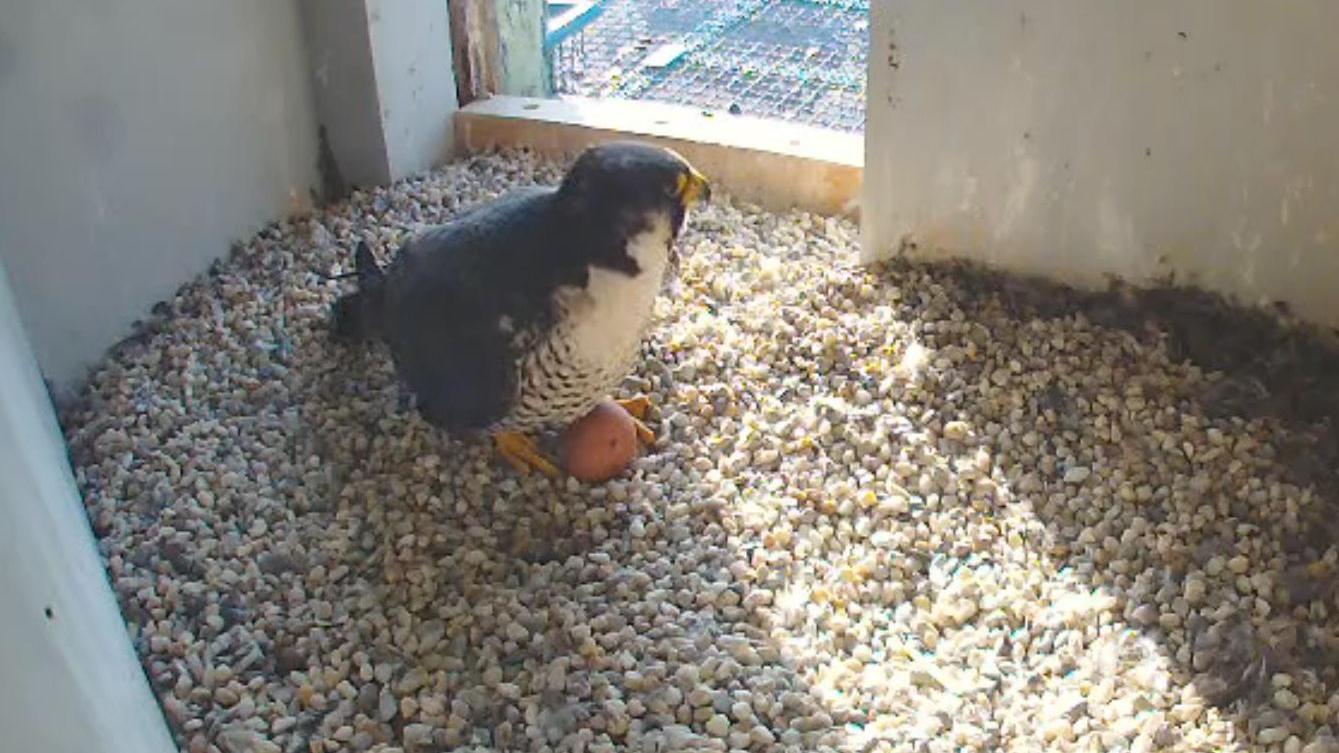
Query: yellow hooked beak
x=693, y=188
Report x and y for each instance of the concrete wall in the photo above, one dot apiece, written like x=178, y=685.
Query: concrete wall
x=385, y=90
x=137, y=139
x=345, y=82
x=1134, y=137
x=411, y=44
x=71, y=683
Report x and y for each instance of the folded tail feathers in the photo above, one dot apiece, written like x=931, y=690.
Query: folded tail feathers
x=365, y=263
x=355, y=315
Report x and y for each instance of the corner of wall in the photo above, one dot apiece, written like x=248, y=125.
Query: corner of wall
x=385, y=88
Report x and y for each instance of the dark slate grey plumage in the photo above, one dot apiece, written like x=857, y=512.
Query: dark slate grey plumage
x=495, y=320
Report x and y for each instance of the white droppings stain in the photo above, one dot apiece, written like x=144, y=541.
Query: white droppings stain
x=913, y=359
x=971, y=186
x=1019, y=196
x=1248, y=243
x=1115, y=229
x=1248, y=268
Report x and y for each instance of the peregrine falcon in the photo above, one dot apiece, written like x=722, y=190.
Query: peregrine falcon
x=521, y=314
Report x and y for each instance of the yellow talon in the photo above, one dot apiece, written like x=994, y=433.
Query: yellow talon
x=520, y=451
x=644, y=433
x=639, y=407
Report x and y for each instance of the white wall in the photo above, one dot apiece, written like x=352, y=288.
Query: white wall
x=385, y=88
x=138, y=138
x=69, y=681
x=411, y=44
x=1133, y=137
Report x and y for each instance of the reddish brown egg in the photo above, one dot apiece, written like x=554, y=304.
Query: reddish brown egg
x=600, y=445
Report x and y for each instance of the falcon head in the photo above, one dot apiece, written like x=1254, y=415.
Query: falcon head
x=621, y=189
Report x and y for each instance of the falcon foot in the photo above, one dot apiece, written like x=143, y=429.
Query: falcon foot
x=520, y=451
x=639, y=407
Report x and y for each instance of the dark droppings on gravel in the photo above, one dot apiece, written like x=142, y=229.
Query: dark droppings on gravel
x=1272, y=365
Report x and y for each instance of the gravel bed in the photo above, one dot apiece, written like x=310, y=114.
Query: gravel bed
x=906, y=508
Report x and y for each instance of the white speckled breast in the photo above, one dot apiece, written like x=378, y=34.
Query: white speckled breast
x=596, y=344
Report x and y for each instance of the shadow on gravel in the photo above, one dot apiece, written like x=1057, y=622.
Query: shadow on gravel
x=1267, y=376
